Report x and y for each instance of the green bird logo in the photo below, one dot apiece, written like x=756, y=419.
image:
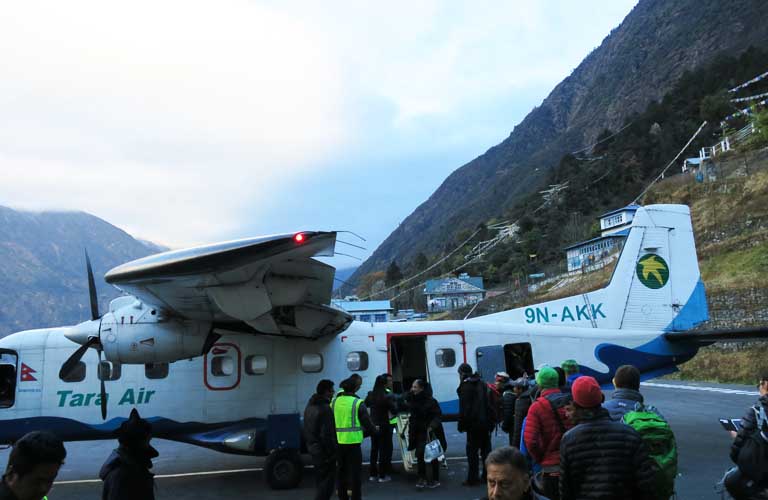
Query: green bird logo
x=653, y=271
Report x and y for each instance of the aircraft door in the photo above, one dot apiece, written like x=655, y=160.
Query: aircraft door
x=445, y=352
x=8, y=363
x=490, y=359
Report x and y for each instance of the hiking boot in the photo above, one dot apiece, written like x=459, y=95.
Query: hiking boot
x=433, y=484
x=373, y=479
x=421, y=484
x=385, y=479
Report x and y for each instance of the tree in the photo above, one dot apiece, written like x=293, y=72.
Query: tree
x=370, y=283
x=393, y=275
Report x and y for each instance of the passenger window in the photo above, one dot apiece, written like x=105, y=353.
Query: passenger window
x=256, y=365
x=109, y=371
x=445, y=358
x=357, y=361
x=7, y=385
x=155, y=371
x=311, y=363
x=76, y=374
x=222, y=366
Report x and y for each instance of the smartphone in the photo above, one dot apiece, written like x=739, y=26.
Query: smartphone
x=731, y=424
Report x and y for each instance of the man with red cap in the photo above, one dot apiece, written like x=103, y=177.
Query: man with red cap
x=600, y=457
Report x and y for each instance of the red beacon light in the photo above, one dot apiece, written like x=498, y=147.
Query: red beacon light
x=299, y=238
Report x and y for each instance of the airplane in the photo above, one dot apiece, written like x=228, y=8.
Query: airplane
x=222, y=345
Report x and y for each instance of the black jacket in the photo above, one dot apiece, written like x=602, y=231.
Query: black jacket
x=320, y=428
x=381, y=405
x=748, y=425
x=425, y=415
x=522, y=405
x=508, y=400
x=474, y=405
x=127, y=477
x=602, y=458
x=5, y=491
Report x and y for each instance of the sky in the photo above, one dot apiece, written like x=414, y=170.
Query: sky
x=190, y=122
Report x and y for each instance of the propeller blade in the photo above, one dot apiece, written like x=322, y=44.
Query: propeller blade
x=72, y=361
x=103, y=393
x=92, y=289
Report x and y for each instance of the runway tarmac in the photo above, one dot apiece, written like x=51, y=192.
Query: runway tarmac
x=188, y=472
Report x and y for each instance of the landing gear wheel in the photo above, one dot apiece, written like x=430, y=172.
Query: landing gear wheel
x=283, y=469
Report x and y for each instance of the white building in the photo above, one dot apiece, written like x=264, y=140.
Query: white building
x=453, y=293
x=592, y=253
x=369, y=311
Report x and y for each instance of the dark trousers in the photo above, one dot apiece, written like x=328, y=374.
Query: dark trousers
x=325, y=477
x=381, y=452
x=422, y=465
x=478, y=448
x=550, y=485
x=350, y=460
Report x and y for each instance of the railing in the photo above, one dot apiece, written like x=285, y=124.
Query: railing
x=728, y=143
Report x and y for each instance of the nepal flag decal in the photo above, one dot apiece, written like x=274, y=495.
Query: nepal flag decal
x=26, y=374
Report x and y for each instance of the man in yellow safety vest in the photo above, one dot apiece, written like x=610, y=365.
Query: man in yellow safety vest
x=33, y=465
x=352, y=423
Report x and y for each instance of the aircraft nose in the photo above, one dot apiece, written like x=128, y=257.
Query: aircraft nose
x=82, y=332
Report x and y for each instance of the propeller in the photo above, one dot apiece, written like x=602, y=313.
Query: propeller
x=88, y=334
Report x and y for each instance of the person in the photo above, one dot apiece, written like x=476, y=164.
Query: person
x=508, y=477
x=423, y=423
x=495, y=391
x=562, y=380
x=546, y=423
x=126, y=474
x=383, y=407
x=512, y=391
x=522, y=405
x=320, y=436
x=738, y=482
x=352, y=423
x=571, y=369
x=33, y=465
x=599, y=457
x=627, y=395
x=475, y=420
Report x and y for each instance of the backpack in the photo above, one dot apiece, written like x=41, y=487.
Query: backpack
x=557, y=401
x=753, y=456
x=660, y=441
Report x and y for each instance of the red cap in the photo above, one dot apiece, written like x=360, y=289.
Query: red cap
x=586, y=392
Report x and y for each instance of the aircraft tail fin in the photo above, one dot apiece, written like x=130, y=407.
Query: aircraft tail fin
x=656, y=284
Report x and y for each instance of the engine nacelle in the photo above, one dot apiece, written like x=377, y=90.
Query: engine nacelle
x=137, y=334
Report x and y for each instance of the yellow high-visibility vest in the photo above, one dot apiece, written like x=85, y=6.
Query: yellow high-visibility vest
x=348, y=428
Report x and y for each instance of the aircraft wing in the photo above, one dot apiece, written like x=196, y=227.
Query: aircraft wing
x=272, y=284
x=710, y=336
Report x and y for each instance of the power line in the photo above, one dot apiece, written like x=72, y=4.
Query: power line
x=671, y=162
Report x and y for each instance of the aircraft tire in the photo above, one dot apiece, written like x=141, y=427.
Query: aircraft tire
x=283, y=469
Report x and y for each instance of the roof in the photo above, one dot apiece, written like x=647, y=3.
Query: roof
x=352, y=306
x=629, y=208
x=693, y=161
x=620, y=234
x=433, y=285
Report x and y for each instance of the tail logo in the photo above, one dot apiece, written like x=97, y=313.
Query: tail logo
x=652, y=271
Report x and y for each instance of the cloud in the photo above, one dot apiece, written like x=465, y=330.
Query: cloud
x=161, y=116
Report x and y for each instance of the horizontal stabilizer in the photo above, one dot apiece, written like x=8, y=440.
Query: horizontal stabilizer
x=725, y=335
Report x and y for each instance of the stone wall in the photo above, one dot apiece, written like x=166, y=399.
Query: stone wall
x=737, y=308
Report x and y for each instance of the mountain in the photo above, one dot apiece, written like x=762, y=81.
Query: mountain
x=636, y=64
x=342, y=275
x=43, y=280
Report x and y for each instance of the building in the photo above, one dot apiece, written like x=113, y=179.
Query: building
x=614, y=228
x=453, y=293
x=369, y=311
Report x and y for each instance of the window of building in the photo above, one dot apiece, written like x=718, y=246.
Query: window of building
x=109, y=371
x=357, y=361
x=222, y=366
x=154, y=371
x=256, y=365
x=311, y=363
x=445, y=358
x=365, y=317
x=380, y=318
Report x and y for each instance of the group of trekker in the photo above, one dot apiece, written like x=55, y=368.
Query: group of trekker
x=336, y=423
